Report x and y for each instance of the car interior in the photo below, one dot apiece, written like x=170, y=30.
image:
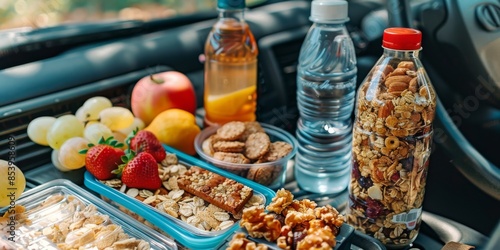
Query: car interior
x=52, y=71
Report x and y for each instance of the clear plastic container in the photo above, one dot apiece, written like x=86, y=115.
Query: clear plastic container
x=230, y=81
x=184, y=233
x=49, y=206
x=326, y=85
x=277, y=169
x=392, y=139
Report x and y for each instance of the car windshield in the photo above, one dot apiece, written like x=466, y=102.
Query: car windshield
x=35, y=14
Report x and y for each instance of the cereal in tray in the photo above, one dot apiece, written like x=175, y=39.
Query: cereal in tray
x=65, y=222
x=291, y=224
x=391, y=149
x=195, y=196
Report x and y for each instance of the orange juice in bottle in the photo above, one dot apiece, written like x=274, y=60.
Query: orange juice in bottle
x=230, y=90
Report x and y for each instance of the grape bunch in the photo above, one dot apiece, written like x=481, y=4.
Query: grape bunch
x=68, y=134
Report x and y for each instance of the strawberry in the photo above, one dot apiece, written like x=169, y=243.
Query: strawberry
x=146, y=141
x=141, y=172
x=102, y=159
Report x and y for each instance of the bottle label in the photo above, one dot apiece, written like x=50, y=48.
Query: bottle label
x=410, y=218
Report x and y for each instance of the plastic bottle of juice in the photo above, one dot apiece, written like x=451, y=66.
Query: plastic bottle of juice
x=230, y=88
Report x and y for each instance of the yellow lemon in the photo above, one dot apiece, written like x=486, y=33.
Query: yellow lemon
x=12, y=183
x=176, y=128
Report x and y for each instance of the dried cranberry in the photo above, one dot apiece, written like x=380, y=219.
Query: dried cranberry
x=365, y=182
x=355, y=170
x=374, y=208
x=297, y=237
x=410, y=140
x=407, y=163
x=279, y=218
x=395, y=177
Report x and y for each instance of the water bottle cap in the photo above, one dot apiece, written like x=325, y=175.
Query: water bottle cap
x=329, y=11
x=231, y=4
x=402, y=39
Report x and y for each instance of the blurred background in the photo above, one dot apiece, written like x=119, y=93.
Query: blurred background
x=46, y=13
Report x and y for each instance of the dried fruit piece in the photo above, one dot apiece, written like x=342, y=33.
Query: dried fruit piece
x=386, y=109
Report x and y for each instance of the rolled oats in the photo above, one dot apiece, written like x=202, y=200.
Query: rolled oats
x=391, y=147
x=132, y=192
x=193, y=210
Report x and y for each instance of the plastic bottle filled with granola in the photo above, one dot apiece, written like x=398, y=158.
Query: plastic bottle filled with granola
x=392, y=135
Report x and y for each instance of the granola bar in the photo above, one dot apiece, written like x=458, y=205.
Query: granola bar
x=215, y=189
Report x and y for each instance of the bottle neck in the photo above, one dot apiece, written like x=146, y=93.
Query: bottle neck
x=236, y=14
x=403, y=54
x=329, y=25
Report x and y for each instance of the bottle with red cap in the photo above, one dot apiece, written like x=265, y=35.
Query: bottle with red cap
x=392, y=135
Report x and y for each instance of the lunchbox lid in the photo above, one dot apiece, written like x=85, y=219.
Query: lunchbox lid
x=170, y=227
x=35, y=196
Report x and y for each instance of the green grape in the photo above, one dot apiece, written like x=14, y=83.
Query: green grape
x=55, y=161
x=80, y=114
x=38, y=128
x=65, y=127
x=95, y=131
x=116, y=118
x=69, y=155
x=137, y=124
x=91, y=108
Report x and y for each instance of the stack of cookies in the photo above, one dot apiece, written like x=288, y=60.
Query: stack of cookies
x=242, y=143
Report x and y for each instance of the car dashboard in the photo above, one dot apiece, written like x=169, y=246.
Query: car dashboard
x=61, y=83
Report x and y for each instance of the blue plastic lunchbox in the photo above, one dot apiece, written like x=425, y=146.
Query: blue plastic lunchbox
x=186, y=235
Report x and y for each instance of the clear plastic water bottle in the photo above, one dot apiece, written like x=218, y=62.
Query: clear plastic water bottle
x=326, y=86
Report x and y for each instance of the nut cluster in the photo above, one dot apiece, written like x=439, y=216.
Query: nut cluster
x=391, y=148
x=292, y=224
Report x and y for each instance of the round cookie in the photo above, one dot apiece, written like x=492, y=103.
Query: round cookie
x=257, y=145
x=206, y=146
x=229, y=146
x=250, y=128
x=231, y=157
x=277, y=150
x=261, y=174
x=231, y=131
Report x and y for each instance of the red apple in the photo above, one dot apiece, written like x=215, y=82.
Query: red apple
x=158, y=92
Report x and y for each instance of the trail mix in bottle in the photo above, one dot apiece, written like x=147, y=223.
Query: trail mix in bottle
x=392, y=140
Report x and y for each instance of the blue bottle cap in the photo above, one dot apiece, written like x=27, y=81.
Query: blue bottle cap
x=231, y=4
